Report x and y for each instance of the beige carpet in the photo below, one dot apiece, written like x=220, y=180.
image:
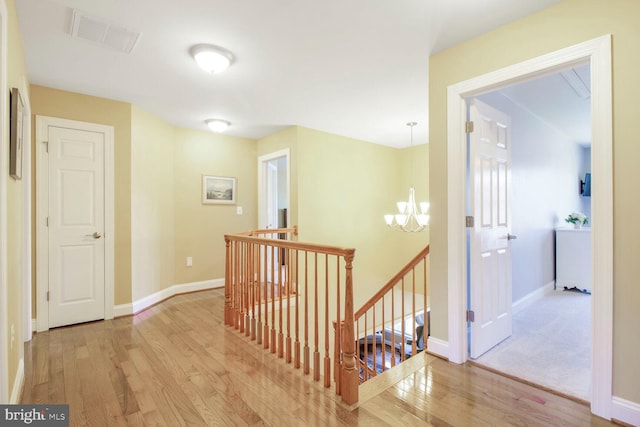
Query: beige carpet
x=550, y=345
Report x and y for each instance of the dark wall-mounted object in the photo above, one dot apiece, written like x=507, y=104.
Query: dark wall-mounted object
x=585, y=186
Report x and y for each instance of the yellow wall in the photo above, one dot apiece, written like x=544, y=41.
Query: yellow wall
x=565, y=24
x=16, y=75
x=344, y=188
x=73, y=106
x=152, y=204
x=200, y=228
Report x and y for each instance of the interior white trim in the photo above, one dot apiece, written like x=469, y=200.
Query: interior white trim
x=625, y=411
x=262, y=179
x=598, y=52
x=183, y=288
x=18, y=383
x=27, y=282
x=4, y=151
x=438, y=347
x=42, y=195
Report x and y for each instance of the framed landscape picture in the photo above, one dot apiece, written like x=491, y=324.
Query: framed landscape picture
x=218, y=190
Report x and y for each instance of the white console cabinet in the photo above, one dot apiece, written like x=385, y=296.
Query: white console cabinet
x=573, y=258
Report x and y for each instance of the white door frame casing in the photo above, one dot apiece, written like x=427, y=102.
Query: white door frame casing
x=42, y=194
x=598, y=52
x=262, y=179
x=27, y=282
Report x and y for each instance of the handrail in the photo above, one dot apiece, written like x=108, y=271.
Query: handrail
x=391, y=283
x=393, y=324
x=289, y=244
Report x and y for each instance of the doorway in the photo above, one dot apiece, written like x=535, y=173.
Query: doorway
x=273, y=190
x=75, y=222
x=551, y=341
x=598, y=52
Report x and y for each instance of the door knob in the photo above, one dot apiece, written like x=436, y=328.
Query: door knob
x=96, y=235
x=511, y=237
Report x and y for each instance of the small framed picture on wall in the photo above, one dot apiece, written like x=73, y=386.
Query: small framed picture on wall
x=218, y=190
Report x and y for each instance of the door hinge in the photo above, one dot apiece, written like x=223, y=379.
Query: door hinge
x=468, y=127
x=47, y=145
x=469, y=222
x=47, y=295
x=471, y=316
x=47, y=221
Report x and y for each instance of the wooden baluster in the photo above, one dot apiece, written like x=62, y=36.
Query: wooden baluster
x=374, y=342
x=402, y=331
x=349, y=374
x=413, y=315
x=273, y=303
x=337, y=370
x=280, y=292
x=305, y=364
x=383, y=343
x=393, y=327
x=227, y=282
x=327, y=357
x=287, y=281
x=360, y=349
x=237, y=287
x=252, y=281
x=247, y=289
x=265, y=283
x=337, y=363
x=366, y=347
x=425, y=313
x=296, y=357
x=259, y=293
x=316, y=352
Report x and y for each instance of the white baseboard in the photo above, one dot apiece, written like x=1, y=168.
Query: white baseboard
x=625, y=411
x=16, y=390
x=438, y=347
x=146, y=302
x=532, y=297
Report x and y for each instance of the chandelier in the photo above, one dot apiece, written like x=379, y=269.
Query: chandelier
x=409, y=218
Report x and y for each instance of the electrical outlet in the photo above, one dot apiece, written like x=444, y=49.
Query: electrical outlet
x=239, y=210
x=189, y=261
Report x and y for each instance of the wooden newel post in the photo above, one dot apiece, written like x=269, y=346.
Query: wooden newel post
x=350, y=379
x=227, y=283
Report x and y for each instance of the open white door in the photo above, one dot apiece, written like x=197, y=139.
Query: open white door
x=489, y=252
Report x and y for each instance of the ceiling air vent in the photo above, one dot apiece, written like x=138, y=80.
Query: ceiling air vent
x=102, y=32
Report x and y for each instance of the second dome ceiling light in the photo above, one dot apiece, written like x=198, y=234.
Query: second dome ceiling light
x=214, y=60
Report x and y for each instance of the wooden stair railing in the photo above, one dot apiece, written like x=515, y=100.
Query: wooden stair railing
x=285, y=295
x=394, y=324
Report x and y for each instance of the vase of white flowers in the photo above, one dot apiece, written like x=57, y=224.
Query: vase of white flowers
x=577, y=219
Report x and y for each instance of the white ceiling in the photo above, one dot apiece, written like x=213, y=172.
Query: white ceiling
x=554, y=101
x=357, y=68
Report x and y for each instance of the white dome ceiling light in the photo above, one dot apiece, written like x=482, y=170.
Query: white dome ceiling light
x=218, y=125
x=212, y=59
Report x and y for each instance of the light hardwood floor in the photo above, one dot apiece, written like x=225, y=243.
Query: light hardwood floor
x=177, y=364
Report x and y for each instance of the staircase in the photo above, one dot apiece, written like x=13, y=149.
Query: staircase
x=292, y=299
